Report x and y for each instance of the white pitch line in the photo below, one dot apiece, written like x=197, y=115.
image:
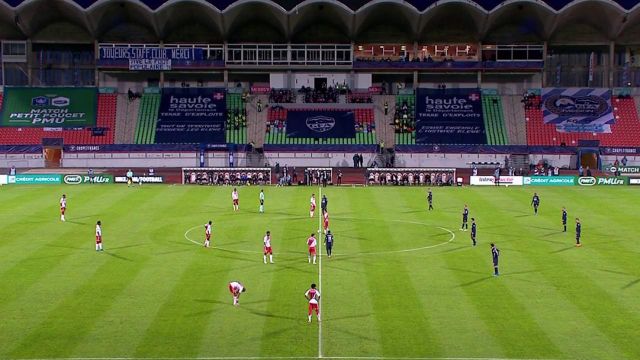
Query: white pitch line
x=320, y=276
x=285, y=358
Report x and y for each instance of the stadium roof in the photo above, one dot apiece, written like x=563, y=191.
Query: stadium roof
x=414, y=20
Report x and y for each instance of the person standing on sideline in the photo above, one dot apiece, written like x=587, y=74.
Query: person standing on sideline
x=129, y=178
x=230, y=159
x=564, y=219
x=328, y=242
x=473, y=231
x=386, y=108
x=430, y=199
x=355, y=160
x=339, y=177
x=578, y=232
x=495, y=255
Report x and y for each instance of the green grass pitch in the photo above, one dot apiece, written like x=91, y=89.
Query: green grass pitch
x=405, y=283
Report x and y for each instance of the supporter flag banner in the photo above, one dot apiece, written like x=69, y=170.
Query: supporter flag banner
x=578, y=109
x=49, y=107
x=452, y=116
x=149, y=58
x=192, y=116
x=321, y=124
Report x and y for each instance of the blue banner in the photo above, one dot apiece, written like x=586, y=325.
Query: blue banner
x=321, y=124
x=578, y=110
x=192, y=115
x=449, y=117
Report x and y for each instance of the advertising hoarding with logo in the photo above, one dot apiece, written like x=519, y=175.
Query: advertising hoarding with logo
x=49, y=107
x=192, y=116
x=449, y=117
x=74, y=179
x=578, y=109
x=634, y=181
x=503, y=180
x=136, y=179
x=608, y=181
x=321, y=124
x=625, y=170
x=35, y=179
x=4, y=179
x=549, y=180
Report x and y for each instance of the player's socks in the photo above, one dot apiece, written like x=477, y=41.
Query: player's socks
x=309, y=259
x=271, y=258
x=309, y=318
x=314, y=259
x=264, y=258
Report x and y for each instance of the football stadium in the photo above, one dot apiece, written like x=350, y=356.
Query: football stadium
x=319, y=179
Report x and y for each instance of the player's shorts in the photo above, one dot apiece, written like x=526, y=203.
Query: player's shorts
x=208, y=236
x=268, y=250
x=261, y=202
x=235, y=202
x=313, y=307
x=312, y=250
x=495, y=262
x=312, y=208
x=62, y=210
x=231, y=289
x=98, y=239
x=326, y=224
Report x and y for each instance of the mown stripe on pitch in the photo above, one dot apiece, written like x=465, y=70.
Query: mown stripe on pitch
x=43, y=275
x=568, y=276
x=64, y=326
x=201, y=295
x=349, y=325
x=403, y=323
x=460, y=330
x=508, y=320
x=120, y=329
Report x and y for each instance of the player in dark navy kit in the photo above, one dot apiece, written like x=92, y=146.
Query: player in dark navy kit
x=495, y=255
x=535, y=201
x=578, y=232
x=324, y=203
x=564, y=219
x=465, y=216
x=473, y=231
x=328, y=242
x=430, y=199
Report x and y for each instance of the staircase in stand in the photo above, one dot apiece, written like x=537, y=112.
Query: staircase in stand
x=519, y=161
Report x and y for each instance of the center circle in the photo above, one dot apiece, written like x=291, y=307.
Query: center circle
x=450, y=236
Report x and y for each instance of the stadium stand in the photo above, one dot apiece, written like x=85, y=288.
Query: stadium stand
x=147, y=118
x=404, y=119
x=494, y=120
x=106, y=118
x=236, y=119
x=625, y=131
x=276, y=132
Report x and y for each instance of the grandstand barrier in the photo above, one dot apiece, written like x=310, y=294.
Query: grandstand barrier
x=226, y=176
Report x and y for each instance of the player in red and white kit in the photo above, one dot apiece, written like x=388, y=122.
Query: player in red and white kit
x=63, y=206
x=313, y=295
x=236, y=199
x=207, y=234
x=312, y=206
x=267, y=248
x=311, y=243
x=236, y=288
x=99, y=236
x=325, y=222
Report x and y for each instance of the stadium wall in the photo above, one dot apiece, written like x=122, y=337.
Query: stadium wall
x=308, y=159
x=21, y=160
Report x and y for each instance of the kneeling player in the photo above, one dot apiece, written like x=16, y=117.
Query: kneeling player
x=99, y=236
x=267, y=248
x=313, y=296
x=311, y=243
x=236, y=288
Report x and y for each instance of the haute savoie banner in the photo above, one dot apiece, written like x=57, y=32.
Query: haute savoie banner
x=452, y=116
x=578, y=109
x=49, y=107
x=320, y=124
x=192, y=115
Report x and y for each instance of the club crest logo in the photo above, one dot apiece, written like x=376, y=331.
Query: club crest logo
x=564, y=105
x=320, y=124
